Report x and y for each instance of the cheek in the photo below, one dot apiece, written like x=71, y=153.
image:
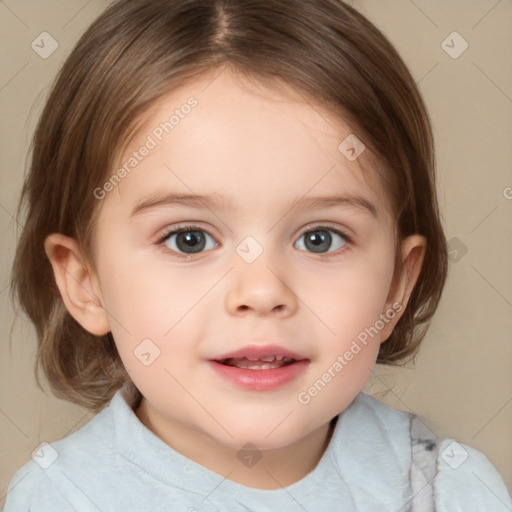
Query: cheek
x=144, y=302
x=148, y=295
x=352, y=296
x=350, y=308
x=149, y=299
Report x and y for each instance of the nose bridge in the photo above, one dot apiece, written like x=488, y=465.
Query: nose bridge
x=258, y=282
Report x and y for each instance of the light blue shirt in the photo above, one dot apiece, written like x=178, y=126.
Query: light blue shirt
x=116, y=464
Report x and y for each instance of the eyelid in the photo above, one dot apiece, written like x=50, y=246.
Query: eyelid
x=326, y=227
x=194, y=227
x=178, y=228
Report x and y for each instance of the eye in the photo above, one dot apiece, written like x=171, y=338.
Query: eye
x=189, y=240
x=321, y=238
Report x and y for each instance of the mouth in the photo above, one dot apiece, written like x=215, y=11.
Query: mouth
x=259, y=357
x=259, y=367
x=251, y=363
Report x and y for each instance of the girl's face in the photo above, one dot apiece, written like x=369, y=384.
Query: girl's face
x=283, y=249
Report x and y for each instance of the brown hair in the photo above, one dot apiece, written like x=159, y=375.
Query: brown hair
x=139, y=50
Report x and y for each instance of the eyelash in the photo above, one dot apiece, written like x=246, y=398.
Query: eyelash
x=319, y=227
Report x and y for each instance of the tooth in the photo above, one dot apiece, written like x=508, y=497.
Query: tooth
x=287, y=359
x=257, y=367
x=268, y=359
x=252, y=358
x=279, y=358
x=266, y=366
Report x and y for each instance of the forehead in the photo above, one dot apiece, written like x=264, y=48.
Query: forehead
x=227, y=133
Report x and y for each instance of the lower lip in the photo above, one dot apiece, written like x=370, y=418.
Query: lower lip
x=260, y=380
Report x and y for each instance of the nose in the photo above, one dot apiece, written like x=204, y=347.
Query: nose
x=259, y=289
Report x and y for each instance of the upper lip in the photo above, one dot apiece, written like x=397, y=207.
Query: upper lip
x=258, y=352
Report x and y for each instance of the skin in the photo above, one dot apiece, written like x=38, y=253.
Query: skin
x=264, y=148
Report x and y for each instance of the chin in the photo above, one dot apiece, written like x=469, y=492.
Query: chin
x=263, y=437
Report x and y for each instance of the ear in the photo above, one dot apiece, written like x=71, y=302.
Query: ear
x=77, y=284
x=404, y=278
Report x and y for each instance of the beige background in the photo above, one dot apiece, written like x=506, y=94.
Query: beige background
x=461, y=384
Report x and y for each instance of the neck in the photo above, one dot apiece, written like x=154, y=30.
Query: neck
x=266, y=469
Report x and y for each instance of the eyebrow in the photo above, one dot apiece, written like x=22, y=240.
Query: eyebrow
x=216, y=201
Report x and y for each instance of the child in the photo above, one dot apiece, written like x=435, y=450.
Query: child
x=232, y=216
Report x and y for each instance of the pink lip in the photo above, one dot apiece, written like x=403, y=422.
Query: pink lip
x=260, y=380
x=259, y=351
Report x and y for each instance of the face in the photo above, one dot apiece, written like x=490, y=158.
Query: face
x=243, y=232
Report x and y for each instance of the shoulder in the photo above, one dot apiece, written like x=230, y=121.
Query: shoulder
x=453, y=476
x=28, y=488
x=457, y=477
x=466, y=481
x=46, y=478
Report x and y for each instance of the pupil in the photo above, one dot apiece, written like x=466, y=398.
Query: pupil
x=190, y=240
x=318, y=241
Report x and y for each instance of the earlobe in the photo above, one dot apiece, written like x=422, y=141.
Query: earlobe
x=77, y=284
x=413, y=253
